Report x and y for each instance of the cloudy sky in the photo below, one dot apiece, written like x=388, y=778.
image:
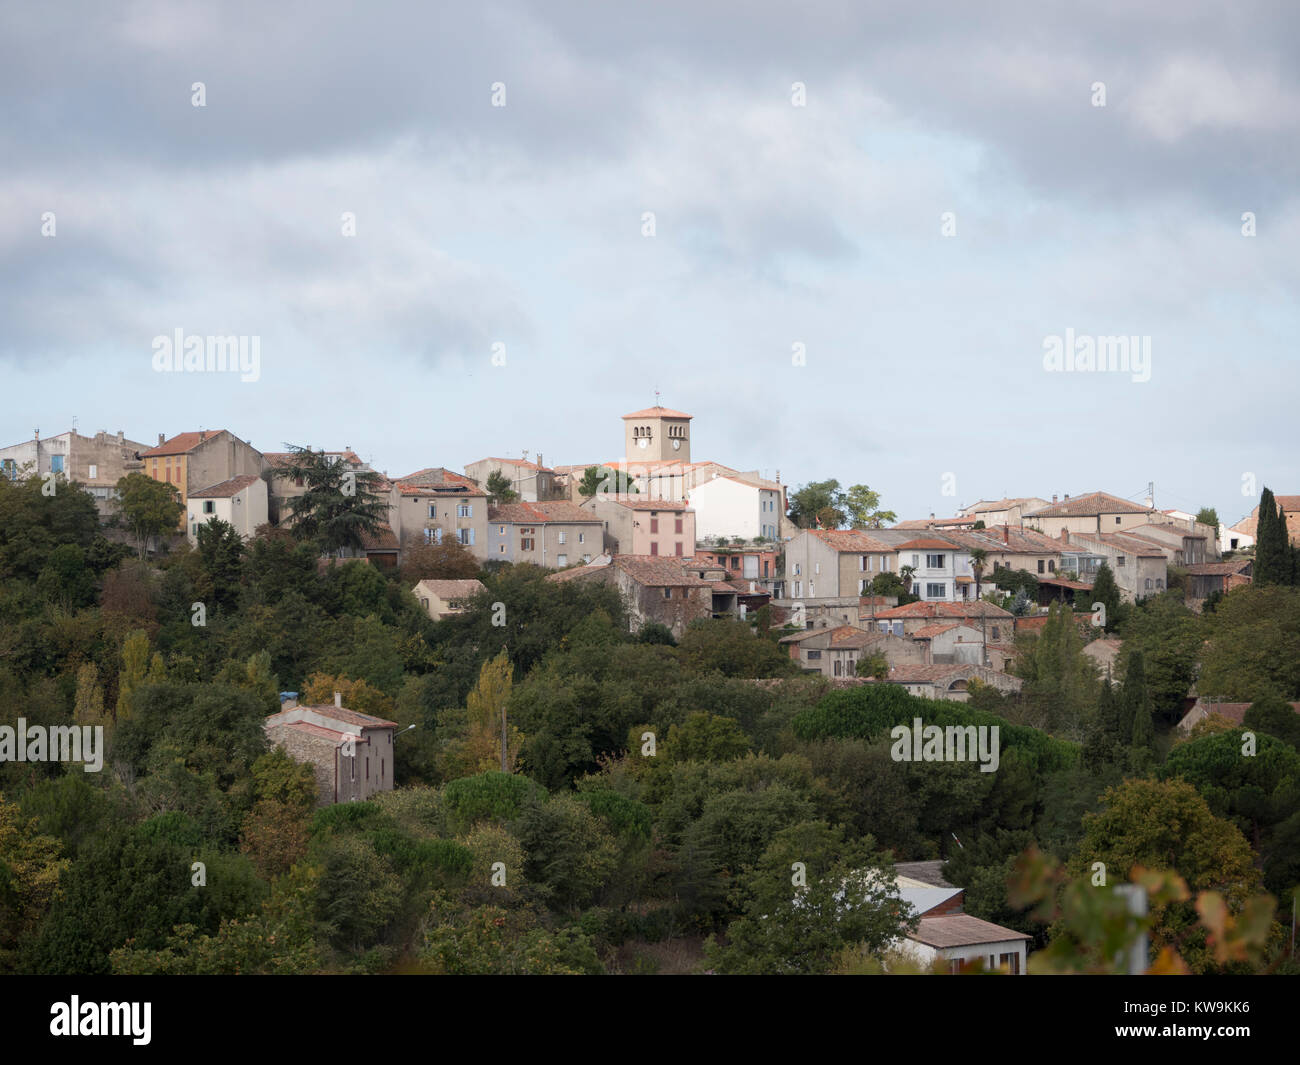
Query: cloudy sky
x=941, y=197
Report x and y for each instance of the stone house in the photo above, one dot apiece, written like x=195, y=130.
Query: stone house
x=352, y=753
x=1096, y=512
x=531, y=480
x=553, y=535
x=434, y=503
x=98, y=462
x=653, y=587
x=652, y=527
x=444, y=598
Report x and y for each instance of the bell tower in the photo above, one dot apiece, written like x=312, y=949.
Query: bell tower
x=657, y=434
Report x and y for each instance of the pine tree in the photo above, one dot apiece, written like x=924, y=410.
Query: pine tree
x=1102, y=742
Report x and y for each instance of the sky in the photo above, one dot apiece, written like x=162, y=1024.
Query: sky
x=841, y=234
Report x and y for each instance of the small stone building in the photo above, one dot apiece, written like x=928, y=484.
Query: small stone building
x=352, y=752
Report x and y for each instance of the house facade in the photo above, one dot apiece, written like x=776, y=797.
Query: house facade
x=553, y=535
x=240, y=502
x=1096, y=512
x=98, y=462
x=351, y=753
x=432, y=504
x=727, y=506
x=445, y=598
x=531, y=480
x=195, y=461
x=633, y=526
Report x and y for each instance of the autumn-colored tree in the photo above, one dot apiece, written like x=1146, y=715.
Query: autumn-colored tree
x=30, y=867
x=319, y=689
x=88, y=704
x=134, y=671
x=275, y=831
x=475, y=746
x=446, y=561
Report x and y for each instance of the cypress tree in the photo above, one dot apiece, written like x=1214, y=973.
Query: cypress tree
x=1140, y=731
x=1272, y=552
x=1105, y=590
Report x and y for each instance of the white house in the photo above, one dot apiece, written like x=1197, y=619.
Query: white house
x=732, y=507
x=240, y=501
x=940, y=569
x=945, y=933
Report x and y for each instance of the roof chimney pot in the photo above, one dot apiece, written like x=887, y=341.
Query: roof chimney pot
x=162, y=439
x=338, y=700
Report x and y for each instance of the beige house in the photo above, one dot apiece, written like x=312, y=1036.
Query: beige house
x=635, y=526
x=1013, y=548
x=351, y=753
x=98, y=461
x=654, y=589
x=554, y=535
x=951, y=642
x=194, y=461
x=444, y=598
x=950, y=682
x=240, y=502
x=1002, y=511
x=531, y=480
x=994, y=623
x=835, y=652
x=1096, y=512
x=432, y=504
x=1140, y=565
x=832, y=563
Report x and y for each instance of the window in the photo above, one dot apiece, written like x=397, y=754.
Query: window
x=1159, y=583
x=654, y=525
x=934, y=591
x=465, y=510
x=812, y=589
x=501, y=529
x=1051, y=565
x=586, y=558
x=1119, y=561
x=814, y=655
x=503, y=548
x=1042, y=566
x=433, y=510
x=527, y=544
x=209, y=507
x=1116, y=519
x=817, y=567
x=668, y=593
x=839, y=668
x=56, y=463
x=995, y=634
x=582, y=538
x=862, y=587
x=735, y=559
x=560, y=536
x=465, y=536
x=561, y=560
x=1011, y=961
x=677, y=549
x=654, y=547
x=1148, y=585
x=916, y=561
x=798, y=589
x=94, y=471
x=765, y=565
x=677, y=525
x=798, y=569
x=934, y=561
x=194, y=528
x=433, y=536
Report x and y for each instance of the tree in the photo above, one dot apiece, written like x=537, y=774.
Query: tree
x=818, y=504
x=1106, y=592
x=30, y=867
x=1167, y=825
x=341, y=505
x=1135, y=705
x=478, y=747
x=150, y=508
x=873, y=665
x=1208, y=516
x=863, y=508
x=1272, y=547
x=841, y=894
x=135, y=666
x=499, y=489
x=445, y=561
x=221, y=551
x=603, y=479
x=906, y=573
x=1250, y=653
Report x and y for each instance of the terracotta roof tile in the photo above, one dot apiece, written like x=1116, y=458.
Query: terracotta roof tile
x=181, y=443
x=226, y=489
x=656, y=412
x=1088, y=506
x=540, y=514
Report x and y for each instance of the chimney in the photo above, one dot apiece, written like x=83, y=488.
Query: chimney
x=120, y=438
x=203, y=435
x=1006, y=534
x=338, y=700
x=1065, y=536
x=162, y=439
